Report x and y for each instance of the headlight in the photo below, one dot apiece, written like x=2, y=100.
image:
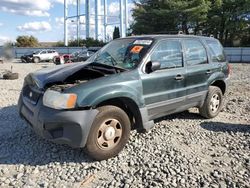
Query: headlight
x=57, y=100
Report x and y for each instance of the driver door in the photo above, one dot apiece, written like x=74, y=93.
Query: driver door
x=164, y=90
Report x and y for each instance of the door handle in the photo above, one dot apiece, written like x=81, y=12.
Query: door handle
x=179, y=77
x=208, y=72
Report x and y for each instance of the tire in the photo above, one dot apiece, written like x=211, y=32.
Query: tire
x=102, y=142
x=10, y=76
x=213, y=103
x=23, y=61
x=36, y=60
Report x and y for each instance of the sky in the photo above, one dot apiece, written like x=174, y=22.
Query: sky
x=44, y=19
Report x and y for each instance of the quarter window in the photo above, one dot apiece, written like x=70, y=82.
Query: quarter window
x=195, y=52
x=169, y=54
x=216, y=51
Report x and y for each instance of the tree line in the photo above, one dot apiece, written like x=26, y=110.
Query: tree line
x=227, y=20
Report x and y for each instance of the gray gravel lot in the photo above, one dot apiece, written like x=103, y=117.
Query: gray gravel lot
x=183, y=150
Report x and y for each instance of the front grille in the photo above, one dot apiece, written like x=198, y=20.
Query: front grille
x=31, y=94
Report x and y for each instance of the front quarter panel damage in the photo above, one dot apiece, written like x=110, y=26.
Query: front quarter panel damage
x=93, y=92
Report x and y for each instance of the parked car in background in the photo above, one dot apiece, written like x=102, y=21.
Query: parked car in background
x=82, y=56
x=39, y=55
x=44, y=55
x=78, y=56
x=63, y=59
x=27, y=57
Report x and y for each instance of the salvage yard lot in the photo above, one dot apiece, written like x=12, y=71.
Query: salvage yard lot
x=182, y=150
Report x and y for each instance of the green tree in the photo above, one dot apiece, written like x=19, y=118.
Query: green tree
x=116, y=33
x=59, y=44
x=153, y=16
x=89, y=42
x=228, y=20
x=26, y=41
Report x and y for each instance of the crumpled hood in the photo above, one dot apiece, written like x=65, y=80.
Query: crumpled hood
x=55, y=74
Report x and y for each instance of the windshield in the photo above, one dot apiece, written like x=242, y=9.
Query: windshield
x=36, y=52
x=123, y=53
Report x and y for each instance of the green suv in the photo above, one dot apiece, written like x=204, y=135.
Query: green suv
x=125, y=85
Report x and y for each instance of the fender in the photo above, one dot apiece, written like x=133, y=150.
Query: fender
x=215, y=77
x=102, y=94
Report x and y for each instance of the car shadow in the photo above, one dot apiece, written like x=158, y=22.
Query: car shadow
x=225, y=127
x=182, y=115
x=20, y=145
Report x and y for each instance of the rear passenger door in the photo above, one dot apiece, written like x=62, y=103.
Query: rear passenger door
x=198, y=70
x=164, y=90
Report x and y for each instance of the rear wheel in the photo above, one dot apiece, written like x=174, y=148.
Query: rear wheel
x=213, y=103
x=109, y=133
x=53, y=60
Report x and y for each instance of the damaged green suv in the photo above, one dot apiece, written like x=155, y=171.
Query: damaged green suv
x=125, y=85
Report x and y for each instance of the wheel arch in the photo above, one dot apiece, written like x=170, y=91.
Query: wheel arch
x=129, y=106
x=220, y=84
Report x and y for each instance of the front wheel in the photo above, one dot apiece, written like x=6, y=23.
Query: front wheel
x=36, y=60
x=109, y=133
x=213, y=103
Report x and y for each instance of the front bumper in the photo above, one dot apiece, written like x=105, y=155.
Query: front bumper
x=62, y=127
x=26, y=59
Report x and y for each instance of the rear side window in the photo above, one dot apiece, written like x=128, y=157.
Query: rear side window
x=195, y=52
x=216, y=50
x=169, y=54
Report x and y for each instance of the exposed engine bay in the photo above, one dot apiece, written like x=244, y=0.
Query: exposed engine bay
x=90, y=72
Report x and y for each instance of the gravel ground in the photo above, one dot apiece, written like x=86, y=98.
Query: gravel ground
x=183, y=150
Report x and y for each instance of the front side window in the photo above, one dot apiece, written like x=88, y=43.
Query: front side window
x=216, y=51
x=168, y=53
x=43, y=52
x=195, y=52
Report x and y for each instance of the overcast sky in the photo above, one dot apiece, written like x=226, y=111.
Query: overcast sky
x=44, y=18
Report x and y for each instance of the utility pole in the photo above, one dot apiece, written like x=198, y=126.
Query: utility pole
x=121, y=18
x=66, y=22
x=97, y=7
x=87, y=17
x=78, y=21
x=126, y=17
x=105, y=21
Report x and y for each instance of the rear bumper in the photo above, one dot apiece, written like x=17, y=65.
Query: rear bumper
x=62, y=127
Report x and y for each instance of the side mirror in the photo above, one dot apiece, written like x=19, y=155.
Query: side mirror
x=152, y=66
x=155, y=65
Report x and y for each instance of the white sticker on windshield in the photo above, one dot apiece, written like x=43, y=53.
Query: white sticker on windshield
x=143, y=42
